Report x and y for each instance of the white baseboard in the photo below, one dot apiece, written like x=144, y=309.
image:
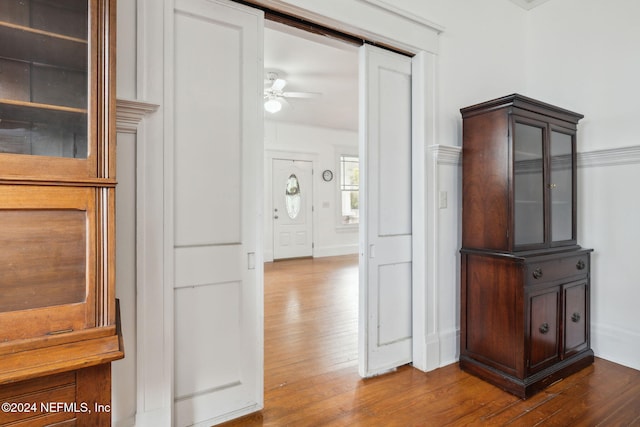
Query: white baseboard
x=615, y=344
x=323, y=252
x=449, y=347
x=335, y=250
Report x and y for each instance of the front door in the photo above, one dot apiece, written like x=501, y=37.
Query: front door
x=217, y=196
x=292, y=208
x=385, y=330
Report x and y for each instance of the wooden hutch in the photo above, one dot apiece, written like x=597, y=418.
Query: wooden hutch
x=524, y=281
x=58, y=317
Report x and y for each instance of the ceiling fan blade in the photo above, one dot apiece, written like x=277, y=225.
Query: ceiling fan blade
x=301, y=94
x=278, y=84
x=285, y=102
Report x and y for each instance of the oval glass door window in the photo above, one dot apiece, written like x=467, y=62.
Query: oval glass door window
x=292, y=196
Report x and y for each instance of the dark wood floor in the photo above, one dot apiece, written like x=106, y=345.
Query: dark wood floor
x=311, y=374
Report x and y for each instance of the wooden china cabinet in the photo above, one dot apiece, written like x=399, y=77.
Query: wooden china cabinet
x=59, y=328
x=524, y=281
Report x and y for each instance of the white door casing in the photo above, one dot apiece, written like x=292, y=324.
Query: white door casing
x=218, y=285
x=292, y=201
x=385, y=330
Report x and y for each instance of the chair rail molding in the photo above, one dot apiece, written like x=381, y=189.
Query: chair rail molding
x=609, y=156
x=446, y=154
x=129, y=114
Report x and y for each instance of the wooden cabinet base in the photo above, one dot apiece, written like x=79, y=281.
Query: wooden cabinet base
x=527, y=387
x=75, y=398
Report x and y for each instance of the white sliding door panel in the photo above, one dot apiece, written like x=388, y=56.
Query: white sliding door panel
x=393, y=173
x=385, y=332
x=207, y=94
x=218, y=289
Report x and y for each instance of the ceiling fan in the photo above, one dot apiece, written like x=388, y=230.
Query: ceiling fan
x=275, y=96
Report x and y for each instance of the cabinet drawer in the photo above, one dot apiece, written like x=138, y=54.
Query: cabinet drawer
x=34, y=402
x=556, y=269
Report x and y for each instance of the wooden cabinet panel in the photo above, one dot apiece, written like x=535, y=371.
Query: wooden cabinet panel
x=544, y=328
x=576, y=318
x=489, y=333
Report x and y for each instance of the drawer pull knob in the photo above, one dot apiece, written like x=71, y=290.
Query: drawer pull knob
x=544, y=328
x=575, y=318
x=537, y=273
x=581, y=265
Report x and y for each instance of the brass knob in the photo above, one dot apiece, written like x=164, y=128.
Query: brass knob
x=544, y=328
x=537, y=273
x=575, y=318
x=581, y=265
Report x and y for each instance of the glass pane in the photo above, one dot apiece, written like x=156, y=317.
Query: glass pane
x=42, y=266
x=292, y=196
x=561, y=185
x=43, y=77
x=528, y=185
x=349, y=187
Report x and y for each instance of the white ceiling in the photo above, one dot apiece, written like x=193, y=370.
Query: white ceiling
x=313, y=63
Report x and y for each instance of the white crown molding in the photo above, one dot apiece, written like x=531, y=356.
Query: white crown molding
x=130, y=113
x=609, y=157
x=446, y=154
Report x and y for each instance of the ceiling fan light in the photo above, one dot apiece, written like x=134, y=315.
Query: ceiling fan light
x=272, y=106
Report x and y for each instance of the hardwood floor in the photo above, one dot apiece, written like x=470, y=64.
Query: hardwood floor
x=311, y=374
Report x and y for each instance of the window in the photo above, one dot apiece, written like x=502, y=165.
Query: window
x=292, y=196
x=349, y=189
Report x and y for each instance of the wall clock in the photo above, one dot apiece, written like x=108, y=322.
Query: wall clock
x=327, y=175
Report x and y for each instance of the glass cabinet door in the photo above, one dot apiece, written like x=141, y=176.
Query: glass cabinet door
x=528, y=192
x=45, y=94
x=561, y=186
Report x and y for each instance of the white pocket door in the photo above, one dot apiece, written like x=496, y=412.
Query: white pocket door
x=385, y=193
x=218, y=165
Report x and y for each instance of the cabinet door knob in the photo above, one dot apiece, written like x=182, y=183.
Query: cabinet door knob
x=575, y=317
x=580, y=265
x=537, y=273
x=544, y=328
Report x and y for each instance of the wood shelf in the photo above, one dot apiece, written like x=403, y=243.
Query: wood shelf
x=33, y=112
x=42, y=47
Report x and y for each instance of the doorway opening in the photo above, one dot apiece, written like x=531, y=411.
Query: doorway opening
x=316, y=126
x=313, y=282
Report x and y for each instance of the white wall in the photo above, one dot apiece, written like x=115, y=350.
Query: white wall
x=323, y=146
x=481, y=55
x=583, y=55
